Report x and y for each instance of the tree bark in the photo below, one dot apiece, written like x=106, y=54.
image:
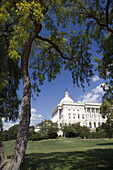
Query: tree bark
x=23, y=131
x=3, y=155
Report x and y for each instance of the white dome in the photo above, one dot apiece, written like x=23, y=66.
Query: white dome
x=66, y=99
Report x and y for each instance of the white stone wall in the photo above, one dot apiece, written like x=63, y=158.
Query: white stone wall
x=87, y=114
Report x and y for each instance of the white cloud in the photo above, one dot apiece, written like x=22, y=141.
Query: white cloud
x=7, y=125
x=35, y=119
x=33, y=110
x=91, y=99
x=95, y=78
x=98, y=89
x=93, y=96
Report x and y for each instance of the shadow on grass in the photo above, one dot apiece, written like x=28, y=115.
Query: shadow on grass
x=105, y=144
x=91, y=159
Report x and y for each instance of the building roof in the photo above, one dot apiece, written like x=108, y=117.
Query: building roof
x=66, y=99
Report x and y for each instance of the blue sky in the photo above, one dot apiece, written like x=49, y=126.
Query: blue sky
x=52, y=92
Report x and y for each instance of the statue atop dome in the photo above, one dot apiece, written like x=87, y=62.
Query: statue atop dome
x=66, y=99
x=66, y=93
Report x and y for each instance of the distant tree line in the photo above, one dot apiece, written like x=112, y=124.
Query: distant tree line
x=48, y=130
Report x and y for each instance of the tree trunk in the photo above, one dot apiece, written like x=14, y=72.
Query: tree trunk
x=23, y=131
x=3, y=155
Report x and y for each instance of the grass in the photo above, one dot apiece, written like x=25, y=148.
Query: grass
x=67, y=154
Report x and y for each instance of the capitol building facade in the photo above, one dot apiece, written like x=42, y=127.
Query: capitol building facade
x=67, y=112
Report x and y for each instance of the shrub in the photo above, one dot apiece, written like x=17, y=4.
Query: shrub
x=4, y=135
x=101, y=134
x=53, y=135
x=35, y=136
x=92, y=135
x=44, y=136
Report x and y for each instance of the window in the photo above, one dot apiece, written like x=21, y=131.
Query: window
x=69, y=109
x=69, y=115
x=78, y=116
x=97, y=110
x=77, y=109
x=60, y=124
x=90, y=124
x=92, y=110
x=88, y=110
x=98, y=124
x=59, y=115
x=74, y=116
x=73, y=109
x=83, y=116
x=94, y=125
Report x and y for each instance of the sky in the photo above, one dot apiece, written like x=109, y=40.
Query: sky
x=52, y=92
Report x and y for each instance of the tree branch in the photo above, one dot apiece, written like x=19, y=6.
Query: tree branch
x=97, y=20
x=107, y=9
x=54, y=45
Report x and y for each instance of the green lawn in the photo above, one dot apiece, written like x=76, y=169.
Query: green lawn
x=67, y=154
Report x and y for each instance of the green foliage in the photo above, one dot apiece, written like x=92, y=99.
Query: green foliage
x=9, y=134
x=49, y=128
x=9, y=81
x=61, y=47
x=35, y=136
x=84, y=132
x=38, y=136
x=106, y=109
x=69, y=131
x=108, y=127
x=75, y=130
x=4, y=135
x=17, y=15
x=12, y=132
x=95, y=18
x=99, y=134
x=31, y=131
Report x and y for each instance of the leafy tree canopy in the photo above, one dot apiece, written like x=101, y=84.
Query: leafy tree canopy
x=48, y=127
x=106, y=109
x=97, y=19
x=61, y=47
x=27, y=19
x=9, y=82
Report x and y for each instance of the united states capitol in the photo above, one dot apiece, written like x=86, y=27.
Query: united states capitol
x=68, y=112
